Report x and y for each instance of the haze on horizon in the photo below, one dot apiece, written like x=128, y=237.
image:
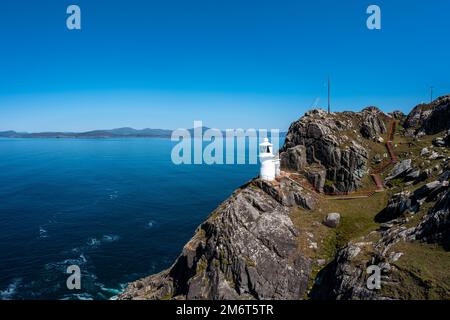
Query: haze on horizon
x=258, y=64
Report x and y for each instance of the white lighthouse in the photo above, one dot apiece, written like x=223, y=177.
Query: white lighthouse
x=270, y=164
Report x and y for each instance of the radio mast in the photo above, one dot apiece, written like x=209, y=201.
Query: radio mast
x=329, y=103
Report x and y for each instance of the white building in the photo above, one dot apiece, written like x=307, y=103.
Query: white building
x=270, y=164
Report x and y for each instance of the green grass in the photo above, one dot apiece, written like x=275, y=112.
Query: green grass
x=422, y=273
x=357, y=220
x=357, y=216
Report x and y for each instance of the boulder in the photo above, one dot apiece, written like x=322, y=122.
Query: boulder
x=424, y=152
x=430, y=190
x=434, y=155
x=397, y=205
x=439, y=142
x=332, y=219
x=400, y=170
x=413, y=175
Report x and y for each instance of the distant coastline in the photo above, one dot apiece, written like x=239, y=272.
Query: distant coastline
x=125, y=132
x=113, y=133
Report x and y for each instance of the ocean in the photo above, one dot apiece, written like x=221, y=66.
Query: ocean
x=117, y=208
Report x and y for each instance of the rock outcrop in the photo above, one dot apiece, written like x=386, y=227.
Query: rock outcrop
x=332, y=144
x=372, y=124
x=436, y=225
x=430, y=118
x=400, y=170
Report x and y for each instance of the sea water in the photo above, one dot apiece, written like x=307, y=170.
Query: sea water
x=117, y=208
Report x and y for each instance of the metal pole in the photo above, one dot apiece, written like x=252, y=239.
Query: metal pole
x=329, y=105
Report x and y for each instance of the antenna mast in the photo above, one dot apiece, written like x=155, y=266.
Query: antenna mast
x=431, y=94
x=329, y=104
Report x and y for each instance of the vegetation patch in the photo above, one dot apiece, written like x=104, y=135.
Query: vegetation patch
x=422, y=272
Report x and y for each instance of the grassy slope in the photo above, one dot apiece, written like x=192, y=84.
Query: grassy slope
x=357, y=220
x=423, y=272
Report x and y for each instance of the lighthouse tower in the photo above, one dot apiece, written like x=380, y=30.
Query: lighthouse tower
x=269, y=163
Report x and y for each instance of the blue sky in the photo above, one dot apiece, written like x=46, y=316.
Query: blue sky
x=234, y=63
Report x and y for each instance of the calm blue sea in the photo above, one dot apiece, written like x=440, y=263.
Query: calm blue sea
x=118, y=208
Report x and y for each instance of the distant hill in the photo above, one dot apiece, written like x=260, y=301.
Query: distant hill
x=114, y=133
x=124, y=132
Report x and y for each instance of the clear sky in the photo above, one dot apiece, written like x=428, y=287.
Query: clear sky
x=229, y=63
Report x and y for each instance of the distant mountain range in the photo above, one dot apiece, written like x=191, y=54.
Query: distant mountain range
x=113, y=133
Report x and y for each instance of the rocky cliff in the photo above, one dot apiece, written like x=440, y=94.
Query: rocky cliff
x=332, y=149
x=290, y=239
x=246, y=249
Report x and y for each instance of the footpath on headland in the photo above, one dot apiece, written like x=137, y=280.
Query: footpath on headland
x=375, y=173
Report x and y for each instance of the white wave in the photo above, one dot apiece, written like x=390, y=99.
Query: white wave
x=83, y=258
x=110, y=238
x=11, y=290
x=42, y=233
x=93, y=242
x=114, y=195
x=110, y=290
x=62, y=265
x=78, y=296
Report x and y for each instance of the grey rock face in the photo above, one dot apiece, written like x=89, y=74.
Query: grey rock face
x=294, y=158
x=332, y=219
x=430, y=190
x=400, y=170
x=247, y=249
x=328, y=141
x=317, y=177
x=398, y=115
x=413, y=175
x=289, y=194
x=411, y=202
x=372, y=125
x=344, y=279
x=436, y=225
x=397, y=205
x=430, y=118
x=444, y=176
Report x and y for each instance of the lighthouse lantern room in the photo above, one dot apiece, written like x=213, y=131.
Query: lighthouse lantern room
x=269, y=162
